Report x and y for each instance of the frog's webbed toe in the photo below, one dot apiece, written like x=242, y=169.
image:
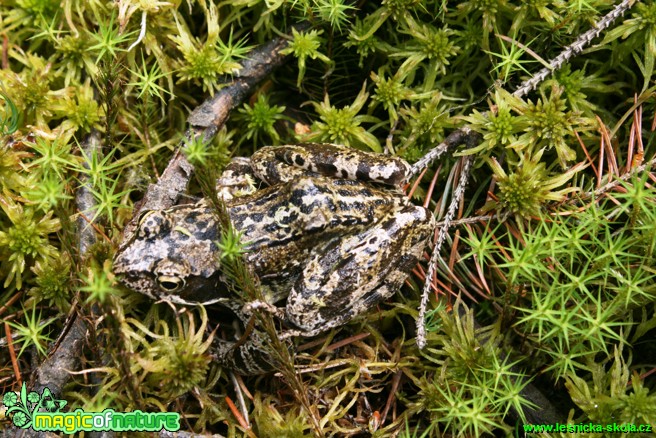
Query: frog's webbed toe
x=236, y=180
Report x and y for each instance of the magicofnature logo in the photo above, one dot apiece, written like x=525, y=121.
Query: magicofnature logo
x=42, y=412
x=21, y=407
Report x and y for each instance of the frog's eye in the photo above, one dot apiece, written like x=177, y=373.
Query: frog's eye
x=154, y=223
x=168, y=283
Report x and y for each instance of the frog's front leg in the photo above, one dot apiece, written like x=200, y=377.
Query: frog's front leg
x=348, y=276
x=275, y=164
x=251, y=357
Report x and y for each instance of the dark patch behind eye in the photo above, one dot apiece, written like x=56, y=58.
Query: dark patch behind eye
x=327, y=168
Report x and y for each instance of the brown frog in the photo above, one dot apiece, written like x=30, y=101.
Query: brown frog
x=329, y=235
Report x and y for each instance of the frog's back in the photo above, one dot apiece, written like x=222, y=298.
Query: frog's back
x=281, y=224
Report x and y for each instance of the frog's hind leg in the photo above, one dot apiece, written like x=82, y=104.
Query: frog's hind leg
x=353, y=274
x=276, y=164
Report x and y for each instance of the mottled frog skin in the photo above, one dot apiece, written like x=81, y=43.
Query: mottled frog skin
x=329, y=235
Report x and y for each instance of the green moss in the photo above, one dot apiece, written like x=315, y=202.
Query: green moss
x=563, y=284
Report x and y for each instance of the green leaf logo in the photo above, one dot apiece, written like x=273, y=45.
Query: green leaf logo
x=22, y=406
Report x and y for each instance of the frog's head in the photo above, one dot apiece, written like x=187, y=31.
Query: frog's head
x=172, y=256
